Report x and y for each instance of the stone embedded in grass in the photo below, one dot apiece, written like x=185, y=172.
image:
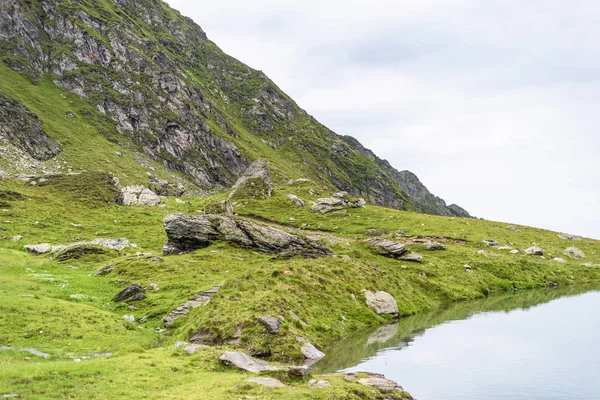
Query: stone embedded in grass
x=245, y=362
x=271, y=323
x=187, y=233
x=301, y=371
x=379, y=382
x=268, y=382
x=559, y=260
x=297, y=201
x=318, y=384
x=105, y=270
x=131, y=291
x=490, y=242
x=129, y=318
x=412, y=257
x=513, y=228
x=132, y=195
x=568, y=236
x=17, y=238
x=381, y=302
x=534, y=250
x=435, y=246
x=38, y=248
x=201, y=298
x=336, y=202
x=311, y=353
x=575, y=253
x=193, y=348
x=515, y=251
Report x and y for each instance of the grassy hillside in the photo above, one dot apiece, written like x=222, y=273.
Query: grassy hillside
x=61, y=308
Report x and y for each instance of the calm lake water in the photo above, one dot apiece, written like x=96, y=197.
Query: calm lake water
x=531, y=345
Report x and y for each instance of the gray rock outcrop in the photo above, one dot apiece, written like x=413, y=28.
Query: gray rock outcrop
x=133, y=292
x=568, y=236
x=379, y=382
x=491, y=243
x=574, y=252
x=336, y=202
x=311, y=353
x=435, y=246
x=138, y=195
x=187, y=233
x=388, y=248
x=162, y=187
x=38, y=248
x=381, y=302
x=255, y=182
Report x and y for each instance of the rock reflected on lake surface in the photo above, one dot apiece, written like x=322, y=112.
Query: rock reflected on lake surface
x=383, y=334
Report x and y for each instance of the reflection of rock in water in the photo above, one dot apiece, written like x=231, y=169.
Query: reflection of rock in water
x=383, y=334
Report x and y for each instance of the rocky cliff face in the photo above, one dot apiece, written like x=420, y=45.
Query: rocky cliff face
x=159, y=81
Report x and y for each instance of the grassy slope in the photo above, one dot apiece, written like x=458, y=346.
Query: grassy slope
x=67, y=312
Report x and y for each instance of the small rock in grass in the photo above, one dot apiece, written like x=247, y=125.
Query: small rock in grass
x=490, y=242
x=575, y=253
x=534, y=250
x=129, y=318
x=318, y=384
x=311, y=353
x=271, y=323
x=17, y=238
x=435, y=246
x=301, y=371
x=268, y=382
x=129, y=292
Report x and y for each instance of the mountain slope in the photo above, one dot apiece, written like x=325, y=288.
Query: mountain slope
x=148, y=80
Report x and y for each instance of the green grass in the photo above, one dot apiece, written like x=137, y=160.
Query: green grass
x=61, y=308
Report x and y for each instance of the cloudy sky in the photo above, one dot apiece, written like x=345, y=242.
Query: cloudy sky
x=494, y=105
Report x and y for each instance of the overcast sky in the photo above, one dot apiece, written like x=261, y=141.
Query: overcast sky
x=493, y=104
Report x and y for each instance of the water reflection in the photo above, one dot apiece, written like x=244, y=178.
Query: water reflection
x=365, y=344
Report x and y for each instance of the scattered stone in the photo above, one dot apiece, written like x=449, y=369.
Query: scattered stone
x=246, y=363
x=39, y=248
x=193, y=348
x=575, y=253
x=435, y=246
x=255, y=182
x=301, y=371
x=515, y=251
x=271, y=323
x=559, y=260
x=155, y=287
x=381, y=302
x=105, y=270
x=200, y=299
x=379, y=382
x=17, y=238
x=129, y=292
x=504, y=248
x=129, y=318
x=268, y=382
x=412, y=257
x=297, y=201
x=318, y=384
x=311, y=353
x=568, y=236
x=468, y=268
x=132, y=195
x=179, y=344
x=490, y=242
x=513, y=228
x=2, y=175
x=187, y=233
x=534, y=250
x=388, y=248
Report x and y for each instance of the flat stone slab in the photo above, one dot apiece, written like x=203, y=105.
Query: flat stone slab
x=200, y=299
x=244, y=362
x=268, y=382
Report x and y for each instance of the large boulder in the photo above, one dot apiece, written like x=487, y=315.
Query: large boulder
x=575, y=253
x=381, y=302
x=187, y=233
x=132, y=195
x=255, y=182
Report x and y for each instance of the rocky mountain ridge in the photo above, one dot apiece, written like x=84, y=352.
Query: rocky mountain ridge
x=158, y=86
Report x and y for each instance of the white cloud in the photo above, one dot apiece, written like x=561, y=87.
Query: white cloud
x=492, y=104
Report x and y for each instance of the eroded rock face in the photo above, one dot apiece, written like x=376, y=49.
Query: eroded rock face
x=21, y=128
x=187, y=233
x=381, y=302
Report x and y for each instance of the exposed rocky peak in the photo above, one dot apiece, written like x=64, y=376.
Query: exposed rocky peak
x=157, y=79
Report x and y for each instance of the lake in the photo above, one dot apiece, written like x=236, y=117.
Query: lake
x=530, y=345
